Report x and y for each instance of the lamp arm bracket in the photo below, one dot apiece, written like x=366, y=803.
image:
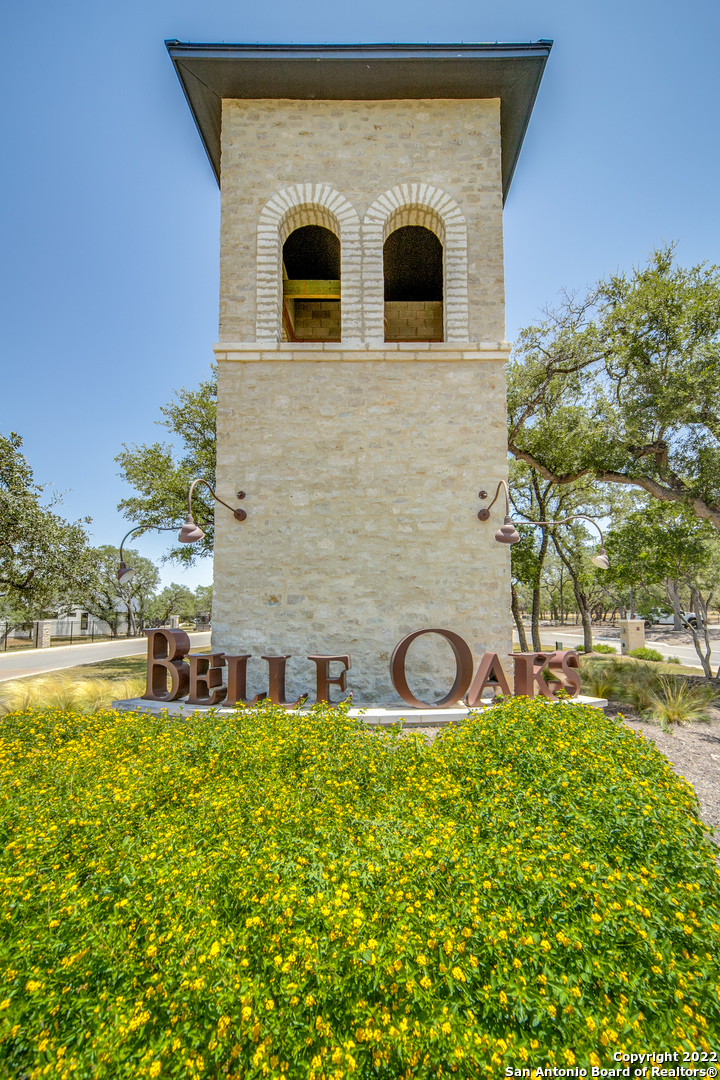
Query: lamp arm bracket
x=144, y=528
x=484, y=514
x=237, y=511
x=572, y=517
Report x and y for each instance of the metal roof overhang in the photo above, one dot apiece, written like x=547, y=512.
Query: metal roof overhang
x=512, y=72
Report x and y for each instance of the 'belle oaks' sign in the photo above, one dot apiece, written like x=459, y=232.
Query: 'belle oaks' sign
x=199, y=676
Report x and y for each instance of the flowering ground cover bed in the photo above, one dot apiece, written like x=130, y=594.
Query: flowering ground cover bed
x=264, y=895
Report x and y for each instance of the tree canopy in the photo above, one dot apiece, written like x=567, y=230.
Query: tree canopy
x=622, y=385
x=46, y=563
x=110, y=601
x=161, y=473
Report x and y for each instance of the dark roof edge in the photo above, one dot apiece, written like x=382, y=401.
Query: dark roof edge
x=214, y=165
x=207, y=100
x=180, y=49
x=507, y=181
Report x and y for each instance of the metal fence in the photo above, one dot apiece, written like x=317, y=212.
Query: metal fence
x=50, y=633
x=18, y=636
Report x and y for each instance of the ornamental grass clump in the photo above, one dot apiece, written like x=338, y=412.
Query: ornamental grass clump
x=65, y=692
x=602, y=678
x=269, y=895
x=639, y=686
x=676, y=702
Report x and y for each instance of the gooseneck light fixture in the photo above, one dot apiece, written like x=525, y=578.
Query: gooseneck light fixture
x=190, y=532
x=126, y=573
x=508, y=534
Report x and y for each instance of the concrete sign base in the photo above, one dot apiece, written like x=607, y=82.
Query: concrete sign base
x=375, y=717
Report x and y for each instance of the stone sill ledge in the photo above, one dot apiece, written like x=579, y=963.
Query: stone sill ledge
x=433, y=351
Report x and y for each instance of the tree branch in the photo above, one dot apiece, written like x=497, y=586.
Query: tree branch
x=675, y=494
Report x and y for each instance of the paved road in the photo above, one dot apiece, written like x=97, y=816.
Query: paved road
x=18, y=665
x=550, y=634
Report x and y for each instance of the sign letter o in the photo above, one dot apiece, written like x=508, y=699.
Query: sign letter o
x=463, y=669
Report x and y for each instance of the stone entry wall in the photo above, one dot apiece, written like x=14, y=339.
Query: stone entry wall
x=361, y=458
x=361, y=470
x=413, y=320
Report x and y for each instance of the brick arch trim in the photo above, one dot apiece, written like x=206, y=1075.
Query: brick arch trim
x=429, y=206
x=290, y=209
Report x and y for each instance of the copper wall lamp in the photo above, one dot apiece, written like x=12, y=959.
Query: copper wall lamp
x=508, y=534
x=126, y=573
x=190, y=533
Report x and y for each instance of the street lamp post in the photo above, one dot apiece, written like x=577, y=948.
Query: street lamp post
x=125, y=573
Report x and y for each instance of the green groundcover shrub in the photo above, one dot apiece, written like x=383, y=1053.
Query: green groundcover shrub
x=647, y=654
x=268, y=895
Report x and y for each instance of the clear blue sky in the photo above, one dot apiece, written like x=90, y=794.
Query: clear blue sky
x=110, y=211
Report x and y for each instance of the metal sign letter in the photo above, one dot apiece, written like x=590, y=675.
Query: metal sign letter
x=463, y=669
x=166, y=649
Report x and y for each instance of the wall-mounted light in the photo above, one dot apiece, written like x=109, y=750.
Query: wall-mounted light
x=127, y=573
x=508, y=534
x=190, y=532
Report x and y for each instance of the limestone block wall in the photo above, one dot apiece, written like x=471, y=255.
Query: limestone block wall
x=361, y=168
x=362, y=469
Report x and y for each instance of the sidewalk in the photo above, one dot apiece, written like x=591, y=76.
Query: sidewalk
x=19, y=665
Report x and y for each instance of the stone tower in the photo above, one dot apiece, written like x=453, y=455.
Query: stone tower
x=362, y=352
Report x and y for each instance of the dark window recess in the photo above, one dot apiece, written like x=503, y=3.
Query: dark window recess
x=84, y=621
x=312, y=253
x=413, y=264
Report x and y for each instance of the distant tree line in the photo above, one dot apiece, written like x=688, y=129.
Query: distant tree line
x=48, y=566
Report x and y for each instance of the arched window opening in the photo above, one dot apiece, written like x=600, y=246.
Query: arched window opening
x=311, y=285
x=413, y=268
